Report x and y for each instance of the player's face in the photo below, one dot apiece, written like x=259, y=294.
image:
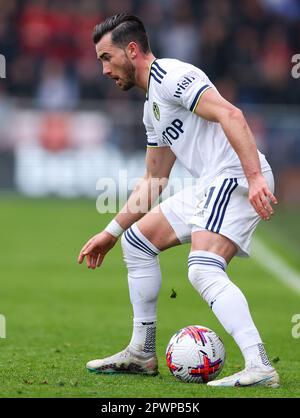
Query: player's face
x=116, y=64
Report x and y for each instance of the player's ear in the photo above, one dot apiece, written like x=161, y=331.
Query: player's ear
x=132, y=50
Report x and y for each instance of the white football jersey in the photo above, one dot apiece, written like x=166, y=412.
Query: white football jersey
x=174, y=90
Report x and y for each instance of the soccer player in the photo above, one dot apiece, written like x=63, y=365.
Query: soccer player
x=185, y=118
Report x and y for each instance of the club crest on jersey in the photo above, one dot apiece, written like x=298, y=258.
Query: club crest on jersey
x=156, y=111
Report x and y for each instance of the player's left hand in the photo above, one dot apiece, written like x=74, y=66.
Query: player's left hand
x=261, y=197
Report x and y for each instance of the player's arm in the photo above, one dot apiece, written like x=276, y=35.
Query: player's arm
x=215, y=108
x=159, y=163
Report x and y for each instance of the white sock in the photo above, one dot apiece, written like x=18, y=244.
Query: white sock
x=143, y=338
x=256, y=356
x=144, y=281
x=208, y=276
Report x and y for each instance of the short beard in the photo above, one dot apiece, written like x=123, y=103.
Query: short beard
x=129, y=72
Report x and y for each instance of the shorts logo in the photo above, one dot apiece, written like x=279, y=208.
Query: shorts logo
x=200, y=213
x=211, y=191
x=156, y=111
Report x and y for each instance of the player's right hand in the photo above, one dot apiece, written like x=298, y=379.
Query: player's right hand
x=96, y=248
x=261, y=197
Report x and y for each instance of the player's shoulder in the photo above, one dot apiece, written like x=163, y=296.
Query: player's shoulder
x=175, y=68
x=163, y=70
x=172, y=72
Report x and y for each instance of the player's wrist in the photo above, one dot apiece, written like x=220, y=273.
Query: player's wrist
x=254, y=175
x=114, y=229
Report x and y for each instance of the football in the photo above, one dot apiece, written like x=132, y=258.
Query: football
x=195, y=354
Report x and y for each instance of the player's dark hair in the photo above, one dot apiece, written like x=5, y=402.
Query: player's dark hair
x=124, y=29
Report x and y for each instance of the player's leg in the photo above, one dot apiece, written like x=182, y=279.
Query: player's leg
x=208, y=260
x=141, y=245
x=230, y=221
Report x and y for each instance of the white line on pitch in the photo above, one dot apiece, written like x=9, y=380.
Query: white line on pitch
x=269, y=260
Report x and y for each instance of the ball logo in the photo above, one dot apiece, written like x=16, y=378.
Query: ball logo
x=156, y=111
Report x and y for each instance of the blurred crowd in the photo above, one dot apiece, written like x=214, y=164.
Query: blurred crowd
x=245, y=47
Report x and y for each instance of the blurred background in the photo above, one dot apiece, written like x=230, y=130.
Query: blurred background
x=63, y=125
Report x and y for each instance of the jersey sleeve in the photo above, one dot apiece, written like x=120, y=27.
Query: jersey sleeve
x=185, y=86
x=153, y=139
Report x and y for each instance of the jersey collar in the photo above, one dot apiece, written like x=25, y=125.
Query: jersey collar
x=149, y=78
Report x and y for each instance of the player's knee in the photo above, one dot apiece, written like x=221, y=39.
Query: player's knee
x=136, y=248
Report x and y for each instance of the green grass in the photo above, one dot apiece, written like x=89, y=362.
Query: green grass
x=60, y=315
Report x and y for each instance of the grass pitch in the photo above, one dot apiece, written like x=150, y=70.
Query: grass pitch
x=60, y=315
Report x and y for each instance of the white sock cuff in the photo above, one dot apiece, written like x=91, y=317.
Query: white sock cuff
x=207, y=258
x=137, y=235
x=145, y=321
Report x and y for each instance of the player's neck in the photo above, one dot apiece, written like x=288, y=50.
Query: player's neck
x=142, y=71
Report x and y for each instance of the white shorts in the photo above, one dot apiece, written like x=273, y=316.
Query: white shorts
x=222, y=207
